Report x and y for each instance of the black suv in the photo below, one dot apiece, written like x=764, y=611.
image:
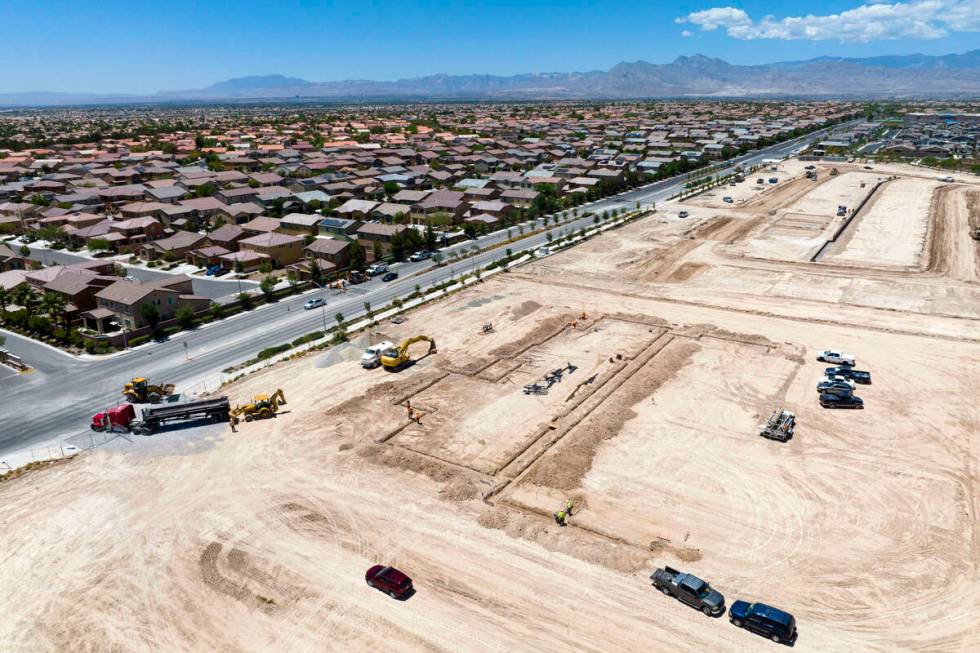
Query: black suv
x=760, y=618
x=840, y=401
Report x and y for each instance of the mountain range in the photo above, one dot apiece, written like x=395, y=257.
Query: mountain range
x=900, y=76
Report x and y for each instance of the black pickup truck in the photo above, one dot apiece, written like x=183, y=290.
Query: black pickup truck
x=690, y=589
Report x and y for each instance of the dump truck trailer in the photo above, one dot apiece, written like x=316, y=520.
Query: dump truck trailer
x=212, y=410
x=123, y=418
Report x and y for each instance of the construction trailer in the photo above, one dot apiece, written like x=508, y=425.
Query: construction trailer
x=780, y=426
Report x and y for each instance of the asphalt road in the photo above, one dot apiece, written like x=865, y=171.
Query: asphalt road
x=58, y=398
x=210, y=288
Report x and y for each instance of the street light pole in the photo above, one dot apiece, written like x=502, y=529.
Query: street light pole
x=323, y=307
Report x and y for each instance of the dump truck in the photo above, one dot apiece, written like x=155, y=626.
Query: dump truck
x=780, y=426
x=123, y=418
x=689, y=589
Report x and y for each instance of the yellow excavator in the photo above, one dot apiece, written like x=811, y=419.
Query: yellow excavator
x=141, y=391
x=262, y=407
x=397, y=358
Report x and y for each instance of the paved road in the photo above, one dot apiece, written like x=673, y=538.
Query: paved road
x=210, y=288
x=59, y=397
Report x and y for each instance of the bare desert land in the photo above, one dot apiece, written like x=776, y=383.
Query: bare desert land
x=676, y=338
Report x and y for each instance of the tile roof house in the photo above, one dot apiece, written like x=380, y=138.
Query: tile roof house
x=300, y=223
x=245, y=260
x=335, y=251
x=227, y=236
x=125, y=300
x=261, y=225
x=355, y=208
x=373, y=232
x=175, y=246
x=283, y=249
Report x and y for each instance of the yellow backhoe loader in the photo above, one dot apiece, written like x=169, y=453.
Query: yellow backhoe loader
x=397, y=358
x=262, y=407
x=141, y=391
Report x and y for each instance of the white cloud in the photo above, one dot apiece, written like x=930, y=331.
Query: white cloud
x=687, y=32
x=922, y=19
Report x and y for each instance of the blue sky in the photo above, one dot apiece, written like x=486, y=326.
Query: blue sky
x=143, y=47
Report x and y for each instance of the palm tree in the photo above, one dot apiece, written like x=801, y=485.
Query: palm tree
x=25, y=296
x=5, y=298
x=53, y=304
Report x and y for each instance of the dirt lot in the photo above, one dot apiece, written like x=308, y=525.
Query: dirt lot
x=890, y=229
x=673, y=348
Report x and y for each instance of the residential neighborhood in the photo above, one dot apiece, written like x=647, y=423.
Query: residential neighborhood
x=276, y=194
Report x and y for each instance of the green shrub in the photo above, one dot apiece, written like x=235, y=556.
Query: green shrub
x=269, y=352
x=139, y=340
x=309, y=337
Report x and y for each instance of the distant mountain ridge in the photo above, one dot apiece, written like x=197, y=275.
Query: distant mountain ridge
x=914, y=75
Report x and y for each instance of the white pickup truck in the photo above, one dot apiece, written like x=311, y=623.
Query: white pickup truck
x=372, y=355
x=836, y=357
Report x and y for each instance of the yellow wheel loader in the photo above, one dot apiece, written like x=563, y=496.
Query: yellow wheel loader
x=141, y=391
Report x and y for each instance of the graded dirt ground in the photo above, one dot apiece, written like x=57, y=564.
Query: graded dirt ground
x=675, y=342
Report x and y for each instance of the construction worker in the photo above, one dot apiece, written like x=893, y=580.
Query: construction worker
x=418, y=417
x=231, y=423
x=560, y=517
x=568, y=507
x=408, y=406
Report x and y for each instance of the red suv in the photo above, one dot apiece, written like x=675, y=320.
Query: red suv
x=389, y=580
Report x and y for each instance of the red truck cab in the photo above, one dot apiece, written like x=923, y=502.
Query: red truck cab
x=117, y=419
x=389, y=580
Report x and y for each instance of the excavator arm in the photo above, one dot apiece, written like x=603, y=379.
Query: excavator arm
x=401, y=356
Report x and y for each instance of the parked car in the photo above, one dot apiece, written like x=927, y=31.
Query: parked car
x=833, y=356
x=316, y=302
x=858, y=376
x=689, y=589
x=828, y=400
x=376, y=269
x=220, y=272
x=760, y=180
x=358, y=277
x=766, y=620
x=727, y=200
x=390, y=276
x=868, y=168
x=420, y=255
x=840, y=380
x=773, y=180
x=389, y=580
x=682, y=214
x=542, y=251
x=834, y=388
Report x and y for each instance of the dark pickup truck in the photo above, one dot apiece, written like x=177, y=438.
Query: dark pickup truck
x=690, y=589
x=858, y=376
